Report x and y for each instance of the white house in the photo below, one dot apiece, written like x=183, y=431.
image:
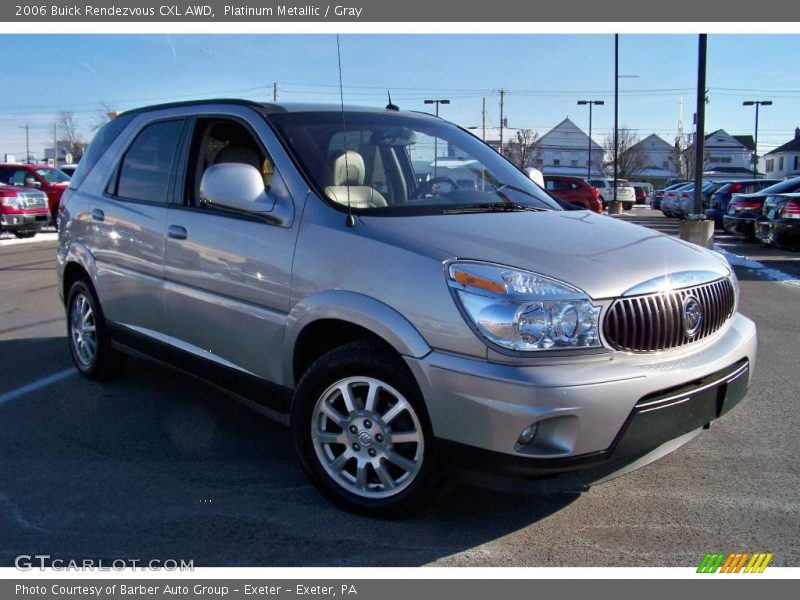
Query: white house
x=729, y=156
x=659, y=159
x=564, y=150
x=783, y=161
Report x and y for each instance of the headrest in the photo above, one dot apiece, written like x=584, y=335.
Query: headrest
x=347, y=168
x=238, y=154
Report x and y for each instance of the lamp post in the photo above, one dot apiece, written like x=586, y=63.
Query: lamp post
x=437, y=102
x=591, y=103
x=757, y=104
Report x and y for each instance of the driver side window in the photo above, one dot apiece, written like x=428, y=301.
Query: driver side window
x=218, y=140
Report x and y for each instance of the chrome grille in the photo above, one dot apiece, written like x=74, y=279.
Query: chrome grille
x=30, y=200
x=653, y=322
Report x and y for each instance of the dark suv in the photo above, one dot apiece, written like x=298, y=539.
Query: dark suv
x=717, y=205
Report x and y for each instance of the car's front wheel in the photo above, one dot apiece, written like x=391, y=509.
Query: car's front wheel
x=362, y=432
x=24, y=235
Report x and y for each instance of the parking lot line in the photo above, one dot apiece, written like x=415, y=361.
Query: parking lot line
x=36, y=385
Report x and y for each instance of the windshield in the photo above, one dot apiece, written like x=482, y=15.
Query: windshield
x=392, y=164
x=53, y=175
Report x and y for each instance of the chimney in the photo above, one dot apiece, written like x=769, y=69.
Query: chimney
x=797, y=133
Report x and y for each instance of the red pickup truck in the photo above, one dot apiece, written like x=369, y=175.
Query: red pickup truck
x=47, y=179
x=23, y=211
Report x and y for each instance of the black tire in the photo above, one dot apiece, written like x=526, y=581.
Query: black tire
x=106, y=362
x=24, y=235
x=628, y=206
x=364, y=359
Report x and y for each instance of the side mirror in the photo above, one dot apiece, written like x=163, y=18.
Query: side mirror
x=236, y=186
x=535, y=175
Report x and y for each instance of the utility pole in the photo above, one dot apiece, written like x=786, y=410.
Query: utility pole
x=27, y=145
x=502, y=118
x=699, y=140
x=437, y=102
x=483, y=119
x=274, y=91
x=55, y=145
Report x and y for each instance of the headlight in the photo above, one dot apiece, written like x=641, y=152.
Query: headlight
x=10, y=201
x=520, y=310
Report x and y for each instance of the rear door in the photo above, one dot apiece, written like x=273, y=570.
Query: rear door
x=228, y=274
x=128, y=229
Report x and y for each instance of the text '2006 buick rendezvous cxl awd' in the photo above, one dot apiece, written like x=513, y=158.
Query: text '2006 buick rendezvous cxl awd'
x=396, y=291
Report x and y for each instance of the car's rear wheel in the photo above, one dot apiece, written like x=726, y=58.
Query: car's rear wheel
x=89, y=340
x=362, y=432
x=23, y=235
x=628, y=205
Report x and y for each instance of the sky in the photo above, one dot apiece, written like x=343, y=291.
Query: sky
x=544, y=75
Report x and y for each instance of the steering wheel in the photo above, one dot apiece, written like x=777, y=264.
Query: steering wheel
x=431, y=188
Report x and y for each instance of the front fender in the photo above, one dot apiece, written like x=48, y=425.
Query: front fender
x=352, y=307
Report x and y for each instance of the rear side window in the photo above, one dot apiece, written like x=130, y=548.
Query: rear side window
x=145, y=169
x=107, y=134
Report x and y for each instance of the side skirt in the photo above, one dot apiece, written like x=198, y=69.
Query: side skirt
x=267, y=398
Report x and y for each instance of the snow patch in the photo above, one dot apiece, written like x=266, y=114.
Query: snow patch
x=769, y=273
x=7, y=239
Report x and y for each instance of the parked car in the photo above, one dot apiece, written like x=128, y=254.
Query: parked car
x=717, y=204
x=684, y=203
x=23, y=211
x=574, y=190
x=744, y=209
x=605, y=188
x=643, y=192
x=401, y=328
x=47, y=179
x=669, y=203
x=68, y=169
x=780, y=221
x=658, y=195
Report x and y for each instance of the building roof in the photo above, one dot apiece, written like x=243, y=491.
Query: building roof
x=746, y=140
x=791, y=146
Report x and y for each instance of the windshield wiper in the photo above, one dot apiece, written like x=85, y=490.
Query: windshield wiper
x=494, y=207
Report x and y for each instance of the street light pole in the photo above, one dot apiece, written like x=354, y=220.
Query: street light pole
x=591, y=103
x=616, y=110
x=437, y=102
x=757, y=104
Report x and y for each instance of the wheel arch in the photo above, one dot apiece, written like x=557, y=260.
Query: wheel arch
x=339, y=317
x=78, y=261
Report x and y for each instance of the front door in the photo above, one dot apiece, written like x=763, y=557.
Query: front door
x=228, y=274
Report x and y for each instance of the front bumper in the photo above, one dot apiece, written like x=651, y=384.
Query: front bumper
x=588, y=410
x=27, y=221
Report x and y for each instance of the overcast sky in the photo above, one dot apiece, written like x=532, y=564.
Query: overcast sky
x=544, y=76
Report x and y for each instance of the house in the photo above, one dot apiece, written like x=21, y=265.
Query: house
x=784, y=161
x=658, y=158
x=564, y=150
x=728, y=156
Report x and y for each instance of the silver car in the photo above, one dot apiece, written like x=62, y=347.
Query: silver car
x=409, y=327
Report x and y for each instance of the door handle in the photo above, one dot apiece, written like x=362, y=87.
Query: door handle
x=176, y=232
x=98, y=215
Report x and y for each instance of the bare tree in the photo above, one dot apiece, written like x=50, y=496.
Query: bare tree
x=632, y=157
x=683, y=157
x=523, y=149
x=105, y=113
x=69, y=138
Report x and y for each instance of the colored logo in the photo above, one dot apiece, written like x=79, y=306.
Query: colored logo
x=692, y=316
x=738, y=562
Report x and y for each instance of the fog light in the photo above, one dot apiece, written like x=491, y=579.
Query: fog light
x=527, y=435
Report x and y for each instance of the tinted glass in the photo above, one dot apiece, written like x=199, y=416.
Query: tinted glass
x=790, y=185
x=107, y=134
x=145, y=170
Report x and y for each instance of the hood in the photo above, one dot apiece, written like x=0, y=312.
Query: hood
x=601, y=255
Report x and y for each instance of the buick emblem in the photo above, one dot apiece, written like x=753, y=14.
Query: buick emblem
x=692, y=316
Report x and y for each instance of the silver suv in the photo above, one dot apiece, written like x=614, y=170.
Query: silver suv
x=410, y=303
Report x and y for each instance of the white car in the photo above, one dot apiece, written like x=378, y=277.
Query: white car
x=68, y=169
x=625, y=191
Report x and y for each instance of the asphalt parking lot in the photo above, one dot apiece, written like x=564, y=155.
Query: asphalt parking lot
x=158, y=465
